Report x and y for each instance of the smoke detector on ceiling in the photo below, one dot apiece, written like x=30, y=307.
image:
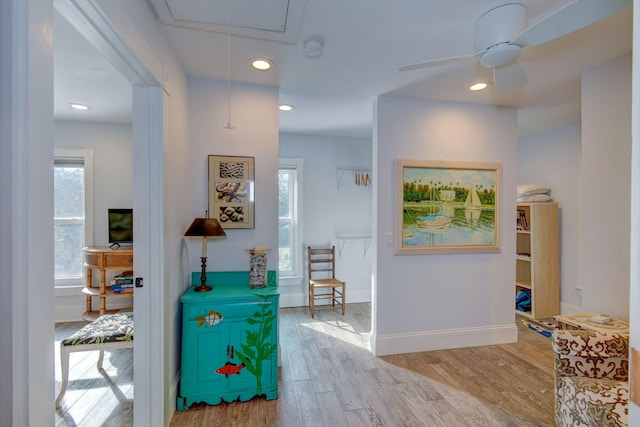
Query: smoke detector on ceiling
x=312, y=48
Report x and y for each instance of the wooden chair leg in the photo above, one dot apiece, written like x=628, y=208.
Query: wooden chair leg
x=344, y=298
x=311, y=301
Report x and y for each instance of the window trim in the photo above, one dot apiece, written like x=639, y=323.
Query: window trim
x=87, y=157
x=297, y=164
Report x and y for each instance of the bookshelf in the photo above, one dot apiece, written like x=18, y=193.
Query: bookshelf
x=103, y=259
x=537, y=258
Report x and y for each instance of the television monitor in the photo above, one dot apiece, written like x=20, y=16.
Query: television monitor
x=120, y=227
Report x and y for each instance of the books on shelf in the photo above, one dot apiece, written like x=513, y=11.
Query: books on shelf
x=121, y=289
x=521, y=221
x=122, y=283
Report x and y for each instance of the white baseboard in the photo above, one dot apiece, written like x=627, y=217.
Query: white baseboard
x=170, y=409
x=300, y=299
x=70, y=313
x=570, y=308
x=445, y=339
x=72, y=310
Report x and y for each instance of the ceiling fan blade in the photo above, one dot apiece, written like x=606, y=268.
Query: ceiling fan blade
x=568, y=19
x=441, y=61
x=509, y=77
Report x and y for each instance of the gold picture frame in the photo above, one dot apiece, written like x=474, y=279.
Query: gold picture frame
x=231, y=191
x=446, y=207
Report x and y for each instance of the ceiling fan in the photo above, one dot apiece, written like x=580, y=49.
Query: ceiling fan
x=502, y=32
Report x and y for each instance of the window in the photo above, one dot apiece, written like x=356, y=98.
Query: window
x=73, y=213
x=290, y=220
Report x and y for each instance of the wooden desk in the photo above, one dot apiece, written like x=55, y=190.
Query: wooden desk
x=103, y=259
x=581, y=321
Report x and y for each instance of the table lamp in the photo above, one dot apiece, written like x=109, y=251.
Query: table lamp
x=204, y=227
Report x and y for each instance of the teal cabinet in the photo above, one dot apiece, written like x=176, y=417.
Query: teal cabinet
x=229, y=340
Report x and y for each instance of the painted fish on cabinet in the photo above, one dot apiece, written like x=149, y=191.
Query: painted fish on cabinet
x=230, y=369
x=211, y=319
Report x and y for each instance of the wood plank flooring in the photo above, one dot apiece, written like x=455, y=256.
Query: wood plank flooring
x=328, y=377
x=93, y=397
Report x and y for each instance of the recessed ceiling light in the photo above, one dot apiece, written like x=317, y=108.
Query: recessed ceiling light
x=478, y=86
x=262, y=64
x=285, y=107
x=77, y=106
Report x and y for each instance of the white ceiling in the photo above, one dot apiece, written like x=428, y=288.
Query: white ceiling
x=365, y=42
x=82, y=75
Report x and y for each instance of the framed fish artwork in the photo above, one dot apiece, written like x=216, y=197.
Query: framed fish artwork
x=231, y=191
x=446, y=207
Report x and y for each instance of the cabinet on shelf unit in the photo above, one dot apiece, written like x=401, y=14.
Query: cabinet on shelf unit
x=229, y=340
x=103, y=259
x=537, y=258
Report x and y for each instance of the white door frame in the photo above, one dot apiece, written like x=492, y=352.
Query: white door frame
x=26, y=187
x=148, y=367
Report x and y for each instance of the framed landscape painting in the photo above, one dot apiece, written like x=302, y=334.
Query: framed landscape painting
x=231, y=185
x=446, y=207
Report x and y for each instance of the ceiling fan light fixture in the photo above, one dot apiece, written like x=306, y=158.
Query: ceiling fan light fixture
x=500, y=24
x=478, y=86
x=261, y=64
x=499, y=55
x=286, y=107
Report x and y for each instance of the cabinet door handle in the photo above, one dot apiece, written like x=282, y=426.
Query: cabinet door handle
x=232, y=349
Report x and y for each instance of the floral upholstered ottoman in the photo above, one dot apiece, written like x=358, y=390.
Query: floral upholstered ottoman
x=591, y=370
x=107, y=332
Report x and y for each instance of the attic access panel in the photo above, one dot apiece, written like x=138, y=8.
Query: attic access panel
x=274, y=20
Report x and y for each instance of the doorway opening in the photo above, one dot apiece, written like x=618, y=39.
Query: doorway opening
x=147, y=193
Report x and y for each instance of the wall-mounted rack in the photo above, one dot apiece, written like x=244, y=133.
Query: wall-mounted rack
x=362, y=176
x=366, y=241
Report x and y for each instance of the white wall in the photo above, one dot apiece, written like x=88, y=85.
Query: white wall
x=604, y=203
x=159, y=299
x=595, y=159
x=579, y=161
x=176, y=221
x=255, y=134
x=552, y=158
x=112, y=188
x=332, y=210
x=427, y=302
x=634, y=297
x=26, y=231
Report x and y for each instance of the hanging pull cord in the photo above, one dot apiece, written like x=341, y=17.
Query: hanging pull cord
x=228, y=126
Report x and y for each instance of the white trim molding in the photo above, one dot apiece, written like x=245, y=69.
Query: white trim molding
x=301, y=298
x=445, y=339
x=101, y=24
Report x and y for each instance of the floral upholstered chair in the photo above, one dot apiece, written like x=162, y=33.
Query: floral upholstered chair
x=591, y=372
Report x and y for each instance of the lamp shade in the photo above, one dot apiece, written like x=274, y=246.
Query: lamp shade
x=205, y=227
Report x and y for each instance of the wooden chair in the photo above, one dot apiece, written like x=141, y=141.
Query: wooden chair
x=322, y=275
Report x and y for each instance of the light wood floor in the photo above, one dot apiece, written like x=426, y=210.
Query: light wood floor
x=93, y=397
x=329, y=378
